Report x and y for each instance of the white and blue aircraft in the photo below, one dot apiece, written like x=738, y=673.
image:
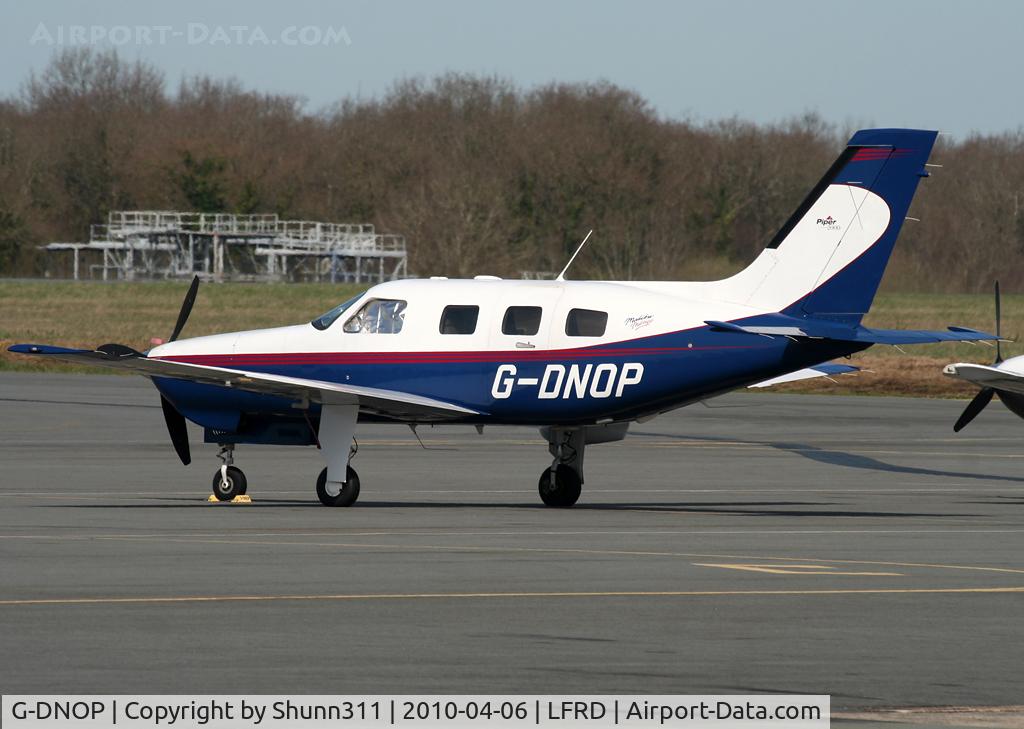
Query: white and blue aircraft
x=1004, y=377
x=580, y=359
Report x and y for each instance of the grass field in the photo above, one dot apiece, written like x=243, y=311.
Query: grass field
x=88, y=314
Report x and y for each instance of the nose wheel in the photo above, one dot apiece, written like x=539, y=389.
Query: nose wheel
x=332, y=493
x=228, y=482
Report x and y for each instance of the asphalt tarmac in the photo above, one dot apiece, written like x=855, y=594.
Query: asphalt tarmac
x=764, y=543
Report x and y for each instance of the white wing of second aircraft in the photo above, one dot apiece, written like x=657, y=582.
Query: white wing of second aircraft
x=998, y=378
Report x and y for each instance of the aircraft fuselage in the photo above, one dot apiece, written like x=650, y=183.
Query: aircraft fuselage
x=639, y=349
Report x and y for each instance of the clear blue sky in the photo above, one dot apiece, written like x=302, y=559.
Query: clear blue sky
x=955, y=66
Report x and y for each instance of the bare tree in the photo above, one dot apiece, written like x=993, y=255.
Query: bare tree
x=479, y=174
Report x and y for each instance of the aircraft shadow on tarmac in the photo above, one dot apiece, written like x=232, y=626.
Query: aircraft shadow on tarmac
x=734, y=508
x=837, y=458
x=748, y=508
x=998, y=500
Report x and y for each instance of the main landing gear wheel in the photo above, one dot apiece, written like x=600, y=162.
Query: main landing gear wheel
x=230, y=484
x=335, y=494
x=560, y=489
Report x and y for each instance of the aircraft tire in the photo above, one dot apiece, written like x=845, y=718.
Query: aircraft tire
x=566, y=489
x=349, y=491
x=235, y=486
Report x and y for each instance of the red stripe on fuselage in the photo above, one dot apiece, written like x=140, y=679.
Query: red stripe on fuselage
x=358, y=358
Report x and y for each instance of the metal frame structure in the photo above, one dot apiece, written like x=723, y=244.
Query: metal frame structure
x=163, y=244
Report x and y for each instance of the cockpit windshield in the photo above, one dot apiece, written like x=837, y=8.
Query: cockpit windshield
x=378, y=316
x=322, y=322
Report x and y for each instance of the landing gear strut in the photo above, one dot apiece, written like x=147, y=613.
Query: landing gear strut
x=561, y=484
x=228, y=480
x=337, y=443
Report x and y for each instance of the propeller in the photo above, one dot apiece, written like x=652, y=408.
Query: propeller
x=176, y=426
x=975, y=406
x=999, y=334
x=177, y=429
x=984, y=396
x=190, y=299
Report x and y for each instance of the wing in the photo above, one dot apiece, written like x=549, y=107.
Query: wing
x=984, y=376
x=822, y=370
x=387, y=403
x=779, y=325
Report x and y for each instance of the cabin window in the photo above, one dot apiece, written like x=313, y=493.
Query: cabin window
x=378, y=316
x=324, y=321
x=521, y=320
x=459, y=319
x=586, y=323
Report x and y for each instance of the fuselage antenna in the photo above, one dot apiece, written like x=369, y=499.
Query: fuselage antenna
x=561, y=276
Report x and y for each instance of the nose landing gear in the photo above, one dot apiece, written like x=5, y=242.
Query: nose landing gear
x=228, y=480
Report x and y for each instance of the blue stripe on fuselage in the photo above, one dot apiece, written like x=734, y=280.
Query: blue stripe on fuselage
x=678, y=367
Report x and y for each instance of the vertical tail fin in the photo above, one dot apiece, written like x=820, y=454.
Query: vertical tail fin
x=828, y=259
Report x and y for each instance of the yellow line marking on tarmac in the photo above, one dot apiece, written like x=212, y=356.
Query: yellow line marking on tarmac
x=523, y=534
x=994, y=717
x=890, y=564
x=507, y=595
x=553, y=550
x=204, y=539
x=794, y=569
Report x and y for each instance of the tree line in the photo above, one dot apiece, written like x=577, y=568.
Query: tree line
x=480, y=175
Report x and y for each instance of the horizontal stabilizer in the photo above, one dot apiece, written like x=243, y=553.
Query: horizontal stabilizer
x=386, y=403
x=823, y=370
x=923, y=336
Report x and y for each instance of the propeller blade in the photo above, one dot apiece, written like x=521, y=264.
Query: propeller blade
x=974, y=407
x=186, y=309
x=177, y=429
x=999, y=317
